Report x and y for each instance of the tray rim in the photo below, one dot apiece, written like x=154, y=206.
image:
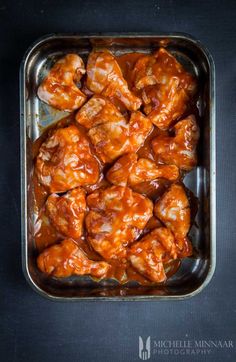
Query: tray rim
x=212, y=180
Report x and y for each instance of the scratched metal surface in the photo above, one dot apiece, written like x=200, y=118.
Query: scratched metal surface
x=35, y=329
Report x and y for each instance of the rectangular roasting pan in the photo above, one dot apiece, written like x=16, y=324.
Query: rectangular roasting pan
x=194, y=273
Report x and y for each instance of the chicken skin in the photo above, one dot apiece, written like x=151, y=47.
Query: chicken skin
x=179, y=150
x=128, y=170
x=139, y=128
x=67, y=212
x=58, y=89
x=113, y=139
x=166, y=87
x=110, y=140
x=116, y=218
x=147, y=170
x=173, y=210
x=105, y=77
x=98, y=110
x=109, y=131
x=149, y=254
x=67, y=259
x=65, y=161
x=119, y=173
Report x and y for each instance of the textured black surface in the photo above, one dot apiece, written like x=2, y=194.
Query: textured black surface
x=35, y=329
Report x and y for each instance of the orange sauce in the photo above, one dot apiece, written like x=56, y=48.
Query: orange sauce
x=45, y=232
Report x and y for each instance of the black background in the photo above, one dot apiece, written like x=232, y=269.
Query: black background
x=35, y=329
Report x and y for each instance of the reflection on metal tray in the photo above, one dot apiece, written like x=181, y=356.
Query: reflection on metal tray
x=194, y=273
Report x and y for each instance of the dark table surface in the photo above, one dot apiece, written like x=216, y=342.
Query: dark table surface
x=35, y=329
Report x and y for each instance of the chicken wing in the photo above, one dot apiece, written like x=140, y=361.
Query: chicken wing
x=149, y=254
x=67, y=259
x=116, y=217
x=165, y=103
x=127, y=170
x=173, y=210
x=65, y=161
x=147, y=170
x=67, y=212
x=58, y=89
x=98, y=110
x=105, y=77
x=166, y=87
x=113, y=139
x=139, y=128
x=119, y=173
x=110, y=140
x=179, y=150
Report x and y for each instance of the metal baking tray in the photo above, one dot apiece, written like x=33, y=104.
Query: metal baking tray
x=194, y=273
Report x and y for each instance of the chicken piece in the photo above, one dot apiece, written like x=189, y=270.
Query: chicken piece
x=98, y=110
x=166, y=87
x=105, y=77
x=58, y=89
x=147, y=170
x=65, y=161
x=67, y=212
x=110, y=140
x=109, y=131
x=169, y=103
x=179, y=150
x=173, y=210
x=139, y=128
x=130, y=171
x=119, y=173
x=149, y=255
x=116, y=218
x=184, y=247
x=113, y=139
x=67, y=259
